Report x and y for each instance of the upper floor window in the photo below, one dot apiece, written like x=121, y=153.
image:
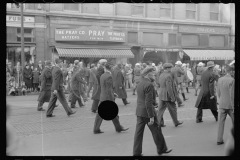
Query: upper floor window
x=191, y=11
x=165, y=10
x=137, y=10
x=106, y=8
x=14, y=6
x=214, y=11
x=28, y=35
x=71, y=6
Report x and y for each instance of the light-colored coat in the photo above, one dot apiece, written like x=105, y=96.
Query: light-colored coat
x=223, y=90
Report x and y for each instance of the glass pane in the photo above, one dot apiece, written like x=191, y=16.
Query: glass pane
x=190, y=15
x=165, y=5
x=214, y=7
x=137, y=10
x=214, y=16
x=191, y=6
x=165, y=13
x=71, y=6
x=105, y=8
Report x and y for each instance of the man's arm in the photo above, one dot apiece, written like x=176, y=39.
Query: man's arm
x=218, y=88
x=57, y=76
x=148, y=91
x=109, y=87
x=169, y=84
x=211, y=85
x=232, y=86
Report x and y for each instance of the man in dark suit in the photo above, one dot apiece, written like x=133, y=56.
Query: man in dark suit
x=167, y=94
x=97, y=87
x=75, y=69
x=45, y=90
x=206, y=98
x=77, y=89
x=93, y=72
x=145, y=112
x=106, y=83
x=57, y=88
x=224, y=89
x=118, y=84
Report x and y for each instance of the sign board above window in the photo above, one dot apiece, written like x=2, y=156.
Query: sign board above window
x=89, y=34
x=210, y=30
x=13, y=18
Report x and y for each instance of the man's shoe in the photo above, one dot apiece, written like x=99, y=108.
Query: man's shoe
x=123, y=129
x=185, y=99
x=219, y=143
x=133, y=94
x=127, y=103
x=199, y=121
x=180, y=105
x=41, y=109
x=168, y=151
x=72, y=113
x=163, y=125
x=98, y=132
x=179, y=123
x=196, y=94
x=216, y=118
x=56, y=105
x=73, y=106
x=50, y=115
x=94, y=111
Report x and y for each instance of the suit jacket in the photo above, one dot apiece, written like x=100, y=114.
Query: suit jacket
x=106, y=82
x=93, y=73
x=207, y=91
x=118, y=81
x=97, y=88
x=46, y=79
x=77, y=81
x=223, y=90
x=167, y=91
x=57, y=77
x=145, y=101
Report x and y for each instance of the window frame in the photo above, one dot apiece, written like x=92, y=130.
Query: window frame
x=107, y=14
x=32, y=33
x=215, y=12
x=24, y=7
x=141, y=5
x=196, y=12
x=171, y=8
x=66, y=10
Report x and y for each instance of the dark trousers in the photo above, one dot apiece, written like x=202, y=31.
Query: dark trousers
x=61, y=97
x=98, y=122
x=171, y=108
x=156, y=133
x=75, y=97
x=200, y=113
x=35, y=86
x=40, y=104
x=179, y=101
x=124, y=100
x=89, y=88
x=95, y=105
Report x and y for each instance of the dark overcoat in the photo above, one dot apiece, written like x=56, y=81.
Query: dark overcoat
x=118, y=81
x=106, y=83
x=207, y=90
x=46, y=83
x=57, y=79
x=94, y=81
x=35, y=77
x=76, y=82
x=97, y=87
x=27, y=74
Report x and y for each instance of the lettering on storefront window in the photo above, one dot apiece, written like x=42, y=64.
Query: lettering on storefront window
x=85, y=34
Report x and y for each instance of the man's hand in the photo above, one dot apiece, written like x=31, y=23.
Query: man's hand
x=211, y=97
x=151, y=121
x=55, y=92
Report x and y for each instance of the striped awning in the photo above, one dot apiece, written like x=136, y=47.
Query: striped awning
x=94, y=53
x=198, y=55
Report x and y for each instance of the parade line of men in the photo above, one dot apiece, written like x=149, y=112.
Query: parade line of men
x=108, y=83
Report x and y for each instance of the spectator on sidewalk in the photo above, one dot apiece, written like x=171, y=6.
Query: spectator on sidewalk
x=35, y=80
x=27, y=75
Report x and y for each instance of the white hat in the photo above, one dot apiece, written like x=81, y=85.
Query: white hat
x=178, y=63
x=153, y=64
x=102, y=61
x=137, y=64
x=200, y=64
x=184, y=64
x=217, y=67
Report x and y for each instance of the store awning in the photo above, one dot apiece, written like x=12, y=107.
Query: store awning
x=94, y=53
x=198, y=55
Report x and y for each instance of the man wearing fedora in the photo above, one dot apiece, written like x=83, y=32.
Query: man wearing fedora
x=97, y=88
x=206, y=98
x=224, y=89
x=107, y=94
x=167, y=95
x=57, y=90
x=45, y=89
x=146, y=115
x=199, y=72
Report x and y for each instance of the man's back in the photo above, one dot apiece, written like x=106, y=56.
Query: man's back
x=106, y=83
x=57, y=78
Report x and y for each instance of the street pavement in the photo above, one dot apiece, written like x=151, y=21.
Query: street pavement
x=73, y=136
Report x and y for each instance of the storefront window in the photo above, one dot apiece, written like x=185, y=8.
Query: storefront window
x=165, y=10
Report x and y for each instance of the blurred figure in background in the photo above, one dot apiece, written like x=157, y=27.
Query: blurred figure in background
x=137, y=76
x=129, y=77
x=199, y=71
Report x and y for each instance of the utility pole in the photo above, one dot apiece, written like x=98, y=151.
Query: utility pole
x=22, y=38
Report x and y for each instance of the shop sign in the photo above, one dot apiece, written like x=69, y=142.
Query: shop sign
x=13, y=18
x=89, y=34
x=210, y=30
x=161, y=49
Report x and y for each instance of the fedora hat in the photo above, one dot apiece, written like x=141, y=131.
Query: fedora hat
x=167, y=65
x=210, y=64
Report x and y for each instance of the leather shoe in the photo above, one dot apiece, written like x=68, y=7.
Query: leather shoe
x=163, y=125
x=94, y=111
x=98, y=132
x=219, y=143
x=199, y=121
x=179, y=123
x=41, y=109
x=167, y=151
x=50, y=115
x=73, y=106
x=123, y=129
x=185, y=99
x=127, y=103
x=138, y=154
x=180, y=105
x=216, y=118
x=133, y=94
x=72, y=113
